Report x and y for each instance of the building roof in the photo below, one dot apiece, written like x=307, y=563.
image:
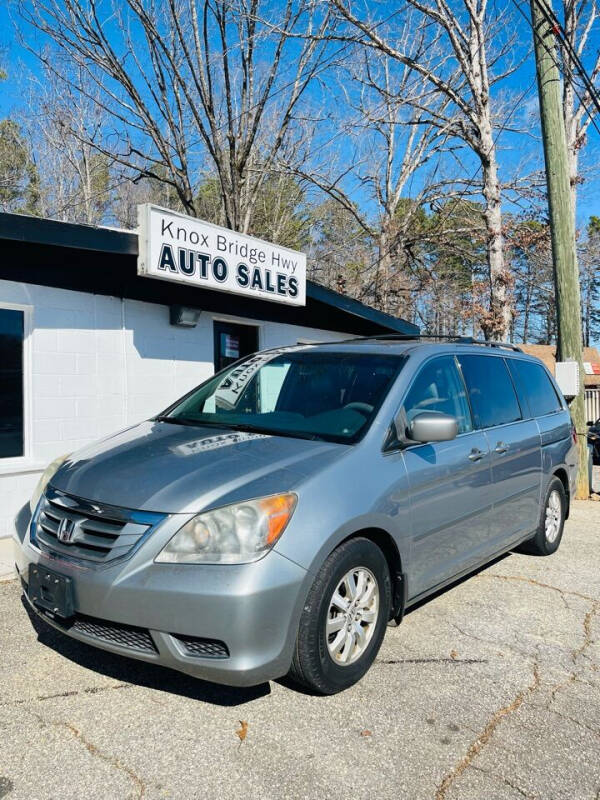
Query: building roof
x=547, y=354
x=104, y=261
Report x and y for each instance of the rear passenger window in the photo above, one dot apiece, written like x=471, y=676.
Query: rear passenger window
x=534, y=384
x=439, y=387
x=491, y=390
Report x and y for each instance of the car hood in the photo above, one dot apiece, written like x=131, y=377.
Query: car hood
x=158, y=466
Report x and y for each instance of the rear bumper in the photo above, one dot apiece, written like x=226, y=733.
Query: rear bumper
x=254, y=609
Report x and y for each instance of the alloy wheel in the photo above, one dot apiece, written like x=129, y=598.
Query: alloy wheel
x=352, y=616
x=553, y=516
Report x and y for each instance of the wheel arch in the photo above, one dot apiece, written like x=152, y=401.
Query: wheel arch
x=386, y=543
x=562, y=475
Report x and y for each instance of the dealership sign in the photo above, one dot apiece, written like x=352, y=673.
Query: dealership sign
x=174, y=247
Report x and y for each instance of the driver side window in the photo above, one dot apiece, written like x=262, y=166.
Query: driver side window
x=439, y=387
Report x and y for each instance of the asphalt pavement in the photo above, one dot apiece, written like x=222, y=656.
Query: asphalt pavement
x=489, y=690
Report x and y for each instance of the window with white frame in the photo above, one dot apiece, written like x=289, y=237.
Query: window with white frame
x=12, y=336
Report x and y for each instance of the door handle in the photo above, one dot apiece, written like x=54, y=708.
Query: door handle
x=476, y=455
x=501, y=447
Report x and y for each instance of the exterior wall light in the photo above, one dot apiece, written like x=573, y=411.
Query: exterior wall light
x=183, y=316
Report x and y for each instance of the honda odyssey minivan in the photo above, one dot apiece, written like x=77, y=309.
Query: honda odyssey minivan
x=275, y=519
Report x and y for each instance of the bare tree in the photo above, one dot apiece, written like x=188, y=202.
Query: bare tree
x=188, y=88
x=339, y=251
x=75, y=180
x=528, y=247
x=280, y=209
x=589, y=267
x=63, y=128
x=478, y=48
x=581, y=26
x=128, y=192
x=384, y=139
x=19, y=180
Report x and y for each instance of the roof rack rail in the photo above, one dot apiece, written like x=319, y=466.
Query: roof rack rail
x=486, y=343
x=412, y=337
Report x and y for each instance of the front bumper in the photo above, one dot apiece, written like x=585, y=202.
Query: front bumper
x=254, y=609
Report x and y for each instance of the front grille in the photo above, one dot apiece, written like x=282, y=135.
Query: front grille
x=202, y=648
x=125, y=635
x=99, y=533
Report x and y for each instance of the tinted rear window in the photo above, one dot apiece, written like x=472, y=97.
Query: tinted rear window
x=491, y=390
x=535, y=386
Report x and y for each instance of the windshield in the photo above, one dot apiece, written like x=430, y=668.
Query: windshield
x=313, y=395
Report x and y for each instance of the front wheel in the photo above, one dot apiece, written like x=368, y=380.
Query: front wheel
x=344, y=618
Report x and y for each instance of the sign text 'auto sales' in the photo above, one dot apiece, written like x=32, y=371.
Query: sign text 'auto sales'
x=179, y=248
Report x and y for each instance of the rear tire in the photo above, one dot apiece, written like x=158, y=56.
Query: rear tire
x=344, y=618
x=550, y=529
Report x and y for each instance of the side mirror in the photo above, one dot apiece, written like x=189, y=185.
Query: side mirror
x=433, y=426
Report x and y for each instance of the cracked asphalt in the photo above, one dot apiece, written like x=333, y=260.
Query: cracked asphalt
x=489, y=690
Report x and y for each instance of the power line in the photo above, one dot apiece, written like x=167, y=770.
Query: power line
x=555, y=27
x=591, y=91
x=559, y=31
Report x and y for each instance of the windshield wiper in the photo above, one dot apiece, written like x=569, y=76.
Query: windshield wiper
x=180, y=421
x=242, y=427
x=247, y=428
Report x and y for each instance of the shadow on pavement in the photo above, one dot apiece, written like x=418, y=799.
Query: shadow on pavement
x=140, y=673
x=153, y=676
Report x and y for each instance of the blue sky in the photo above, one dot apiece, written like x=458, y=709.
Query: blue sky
x=21, y=65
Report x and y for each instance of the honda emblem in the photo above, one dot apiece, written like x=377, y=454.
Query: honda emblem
x=66, y=529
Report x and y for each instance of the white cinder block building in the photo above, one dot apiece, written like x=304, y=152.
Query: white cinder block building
x=88, y=346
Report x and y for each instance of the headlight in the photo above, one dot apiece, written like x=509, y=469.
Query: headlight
x=235, y=534
x=45, y=478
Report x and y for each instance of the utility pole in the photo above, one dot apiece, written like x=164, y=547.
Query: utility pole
x=562, y=225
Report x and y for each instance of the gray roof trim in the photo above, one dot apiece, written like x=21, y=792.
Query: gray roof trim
x=351, y=306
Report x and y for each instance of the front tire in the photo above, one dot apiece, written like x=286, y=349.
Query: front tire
x=344, y=618
x=550, y=529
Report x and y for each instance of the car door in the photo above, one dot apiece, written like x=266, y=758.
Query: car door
x=449, y=481
x=534, y=384
x=514, y=443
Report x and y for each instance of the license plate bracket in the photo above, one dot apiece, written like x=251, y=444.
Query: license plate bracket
x=50, y=591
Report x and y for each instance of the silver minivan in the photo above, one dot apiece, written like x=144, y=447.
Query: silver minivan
x=278, y=517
